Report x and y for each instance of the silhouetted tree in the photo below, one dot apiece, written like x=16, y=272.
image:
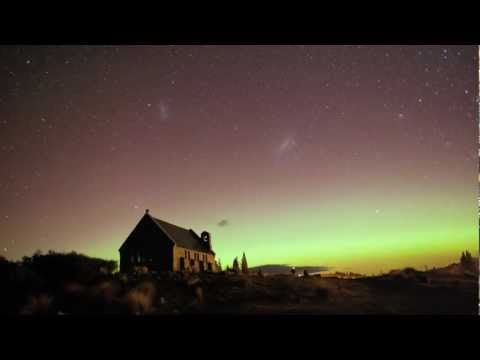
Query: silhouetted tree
x=466, y=261
x=59, y=267
x=244, y=264
x=236, y=268
x=219, y=265
x=7, y=270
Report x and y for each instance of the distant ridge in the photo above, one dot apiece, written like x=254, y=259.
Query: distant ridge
x=277, y=269
x=454, y=269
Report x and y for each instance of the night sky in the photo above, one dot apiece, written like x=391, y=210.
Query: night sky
x=363, y=158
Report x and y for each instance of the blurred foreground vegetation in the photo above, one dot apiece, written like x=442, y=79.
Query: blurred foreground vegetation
x=71, y=283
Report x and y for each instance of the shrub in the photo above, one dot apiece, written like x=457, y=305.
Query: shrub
x=37, y=305
x=60, y=267
x=141, y=298
x=106, y=291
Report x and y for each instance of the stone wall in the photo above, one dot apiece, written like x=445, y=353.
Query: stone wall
x=192, y=260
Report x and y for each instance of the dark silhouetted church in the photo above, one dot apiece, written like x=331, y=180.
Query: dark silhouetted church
x=161, y=246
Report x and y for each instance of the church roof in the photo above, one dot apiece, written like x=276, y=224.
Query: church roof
x=182, y=237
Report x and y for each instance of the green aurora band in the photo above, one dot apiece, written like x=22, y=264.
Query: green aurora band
x=367, y=235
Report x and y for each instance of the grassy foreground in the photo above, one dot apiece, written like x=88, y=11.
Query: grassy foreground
x=37, y=286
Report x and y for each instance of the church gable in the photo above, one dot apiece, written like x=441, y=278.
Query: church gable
x=145, y=231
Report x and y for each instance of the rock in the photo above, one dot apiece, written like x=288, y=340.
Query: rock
x=194, y=281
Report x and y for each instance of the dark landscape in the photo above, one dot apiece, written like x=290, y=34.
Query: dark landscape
x=346, y=174
x=72, y=284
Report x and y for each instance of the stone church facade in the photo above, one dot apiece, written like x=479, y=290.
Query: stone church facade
x=161, y=246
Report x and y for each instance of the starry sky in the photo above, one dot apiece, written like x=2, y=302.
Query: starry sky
x=362, y=158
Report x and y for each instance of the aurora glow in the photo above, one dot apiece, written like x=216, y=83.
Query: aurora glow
x=363, y=158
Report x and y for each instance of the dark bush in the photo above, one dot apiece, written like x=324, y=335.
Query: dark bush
x=57, y=268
